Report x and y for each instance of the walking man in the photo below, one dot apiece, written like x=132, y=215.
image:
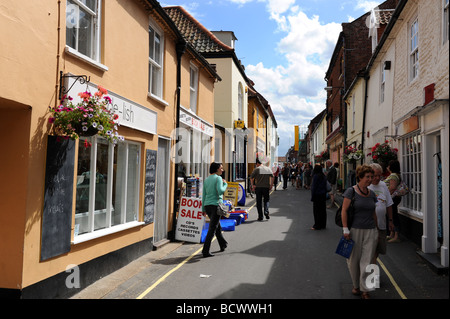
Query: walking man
x=262, y=182
x=332, y=179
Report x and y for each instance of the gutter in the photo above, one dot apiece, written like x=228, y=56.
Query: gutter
x=180, y=49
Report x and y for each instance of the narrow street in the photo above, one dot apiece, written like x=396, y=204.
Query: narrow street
x=279, y=258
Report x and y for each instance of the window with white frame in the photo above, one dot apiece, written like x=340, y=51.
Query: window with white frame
x=414, y=49
x=240, y=102
x=83, y=27
x=194, y=88
x=383, y=83
x=107, y=192
x=411, y=172
x=156, y=61
x=446, y=24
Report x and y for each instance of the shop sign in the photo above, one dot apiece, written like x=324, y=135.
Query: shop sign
x=190, y=220
x=239, y=124
x=130, y=114
x=196, y=123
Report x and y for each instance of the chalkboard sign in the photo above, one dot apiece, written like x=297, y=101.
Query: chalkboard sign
x=150, y=178
x=57, y=213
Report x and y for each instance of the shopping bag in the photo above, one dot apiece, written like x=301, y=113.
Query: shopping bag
x=345, y=247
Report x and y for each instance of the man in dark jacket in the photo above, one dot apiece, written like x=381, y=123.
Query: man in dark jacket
x=332, y=179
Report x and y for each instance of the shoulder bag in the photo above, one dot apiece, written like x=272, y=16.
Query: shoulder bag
x=223, y=210
x=350, y=213
x=402, y=190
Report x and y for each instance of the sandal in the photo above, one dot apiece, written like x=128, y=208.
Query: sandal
x=365, y=295
x=356, y=291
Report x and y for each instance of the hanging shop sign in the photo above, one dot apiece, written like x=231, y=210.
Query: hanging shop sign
x=130, y=114
x=190, y=220
x=239, y=124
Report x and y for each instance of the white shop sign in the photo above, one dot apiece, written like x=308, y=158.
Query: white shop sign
x=130, y=114
x=190, y=220
x=196, y=123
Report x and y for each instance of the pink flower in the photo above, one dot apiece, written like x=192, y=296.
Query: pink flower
x=102, y=90
x=51, y=120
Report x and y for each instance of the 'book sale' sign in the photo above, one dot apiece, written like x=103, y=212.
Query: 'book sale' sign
x=190, y=220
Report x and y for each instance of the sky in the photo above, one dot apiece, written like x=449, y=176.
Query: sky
x=285, y=46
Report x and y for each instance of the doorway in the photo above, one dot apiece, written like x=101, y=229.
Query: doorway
x=162, y=192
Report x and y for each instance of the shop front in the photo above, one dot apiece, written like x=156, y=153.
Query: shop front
x=194, y=151
x=110, y=178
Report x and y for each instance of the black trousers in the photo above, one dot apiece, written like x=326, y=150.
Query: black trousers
x=214, y=229
x=320, y=211
x=262, y=195
x=285, y=180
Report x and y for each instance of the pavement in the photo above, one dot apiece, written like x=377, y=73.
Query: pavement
x=410, y=275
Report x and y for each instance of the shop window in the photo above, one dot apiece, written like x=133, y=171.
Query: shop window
x=411, y=169
x=107, y=192
x=194, y=88
x=155, y=69
x=83, y=27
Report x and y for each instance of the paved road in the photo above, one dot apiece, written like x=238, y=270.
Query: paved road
x=280, y=258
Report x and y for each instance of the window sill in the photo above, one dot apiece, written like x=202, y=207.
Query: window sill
x=157, y=99
x=104, y=232
x=86, y=59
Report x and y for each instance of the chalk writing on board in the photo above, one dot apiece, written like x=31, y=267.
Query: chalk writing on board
x=150, y=177
x=57, y=212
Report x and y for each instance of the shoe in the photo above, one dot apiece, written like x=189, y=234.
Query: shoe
x=365, y=295
x=260, y=219
x=208, y=255
x=267, y=215
x=223, y=248
x=356, y=292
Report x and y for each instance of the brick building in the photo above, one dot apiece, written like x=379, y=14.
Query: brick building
x=352, y=52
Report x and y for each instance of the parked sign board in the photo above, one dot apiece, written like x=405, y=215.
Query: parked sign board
x=190, y=220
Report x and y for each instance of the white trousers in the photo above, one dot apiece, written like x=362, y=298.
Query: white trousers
x=361, y=256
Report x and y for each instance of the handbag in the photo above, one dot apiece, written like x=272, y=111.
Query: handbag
x=345, y=247
x=350, y=213
x=402, y=190
x=223, y=210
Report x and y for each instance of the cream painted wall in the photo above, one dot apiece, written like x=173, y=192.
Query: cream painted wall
x=355, y=103
x=379, y=114
x=226, y=93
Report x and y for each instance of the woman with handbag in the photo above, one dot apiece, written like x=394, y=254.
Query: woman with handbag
x=213, y=188
x=363, y=229
x=319, y=198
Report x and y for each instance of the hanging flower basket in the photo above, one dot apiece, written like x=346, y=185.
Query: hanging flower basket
x=352, y=154
x=89, y=117
x=383, y=153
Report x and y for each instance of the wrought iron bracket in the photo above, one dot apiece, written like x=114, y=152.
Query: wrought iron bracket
x=62, y=89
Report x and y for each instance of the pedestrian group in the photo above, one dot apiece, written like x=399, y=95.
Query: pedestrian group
x=374, y=206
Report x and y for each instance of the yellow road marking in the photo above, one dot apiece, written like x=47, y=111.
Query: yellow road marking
x=400, y=292
x=160, y=280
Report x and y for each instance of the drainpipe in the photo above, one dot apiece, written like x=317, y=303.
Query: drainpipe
x=363, y=133
x=180, y=49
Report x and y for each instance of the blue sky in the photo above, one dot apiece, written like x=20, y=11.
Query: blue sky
x=285, y=46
